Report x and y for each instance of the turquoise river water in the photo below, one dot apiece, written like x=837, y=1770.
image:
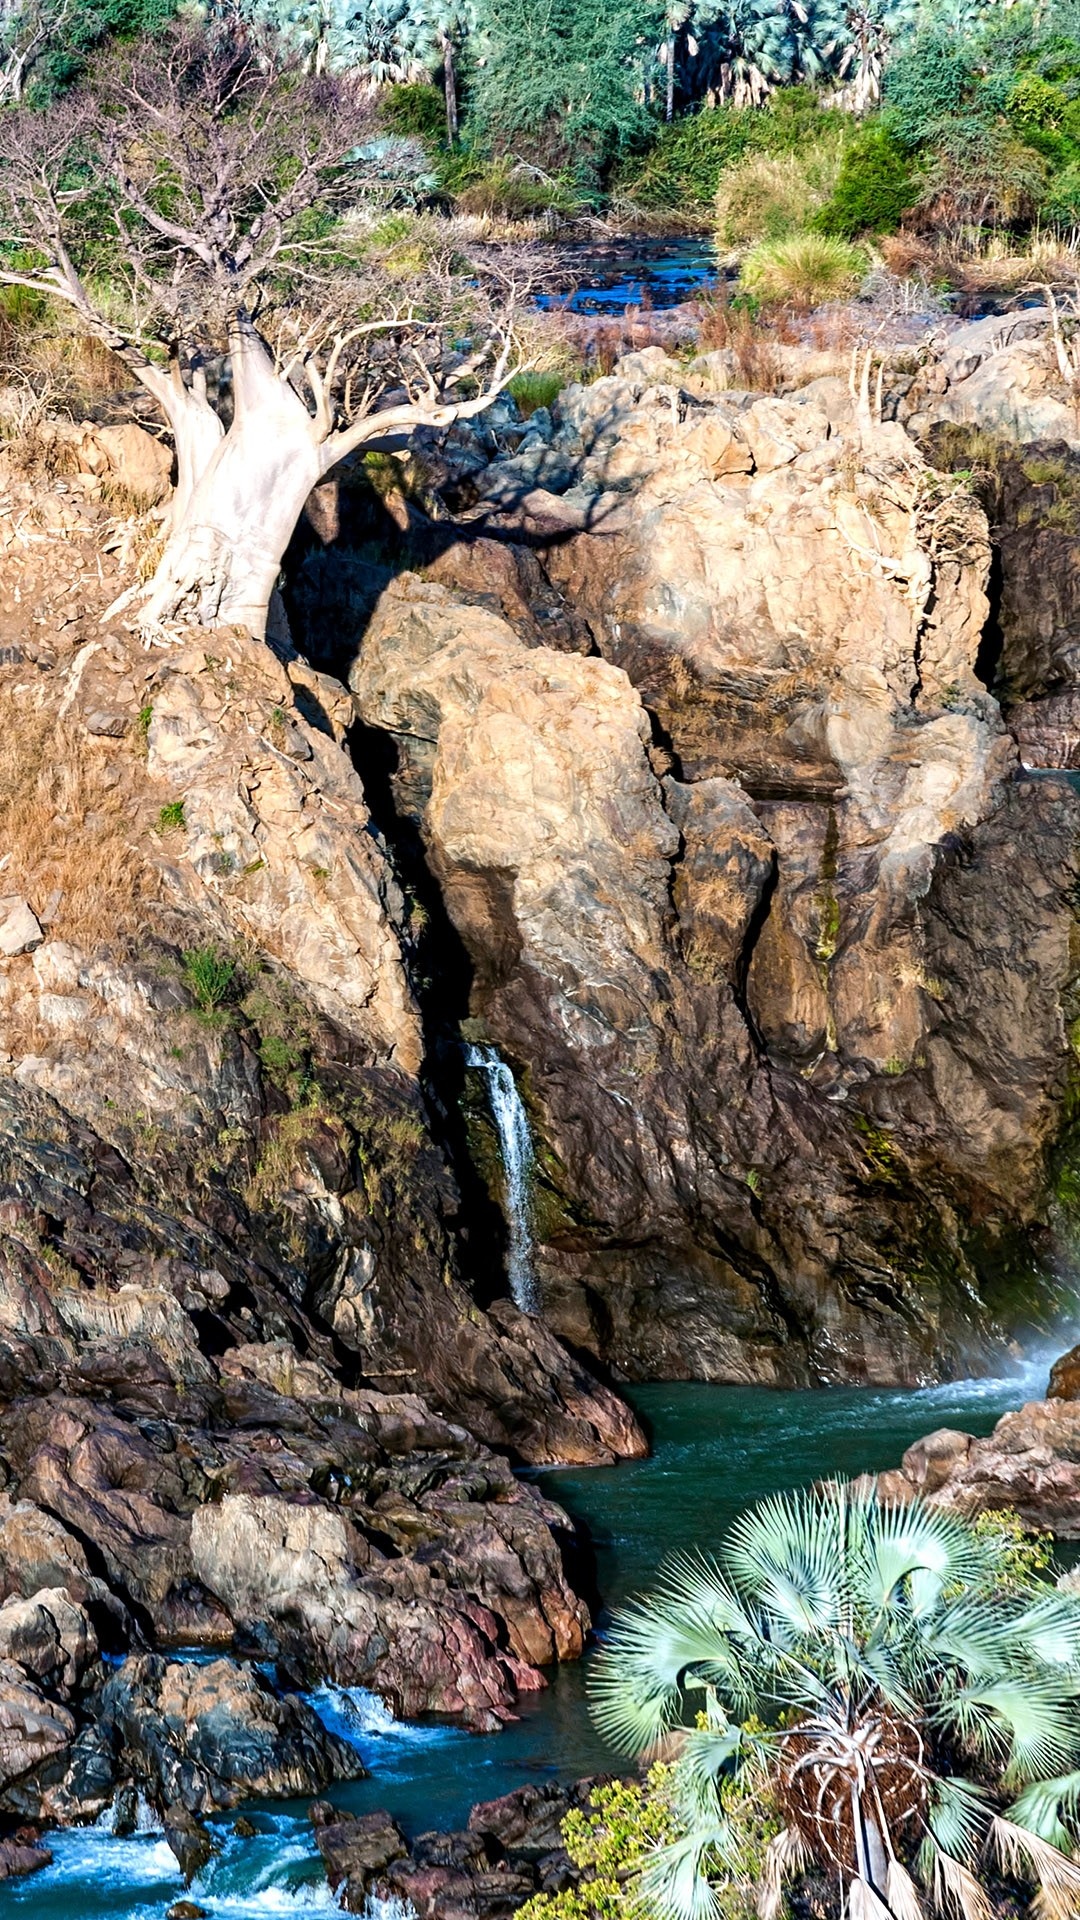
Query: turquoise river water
x=715, y=1449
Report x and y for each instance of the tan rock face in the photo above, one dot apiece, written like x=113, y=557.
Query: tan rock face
x=1001, y=375
x=1029, y=1465
x=277, y=835
x=742, y=995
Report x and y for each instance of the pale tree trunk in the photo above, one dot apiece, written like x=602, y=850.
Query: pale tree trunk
x=669, y=103
x=234, y=516
x=450, y=88
x=241, y=493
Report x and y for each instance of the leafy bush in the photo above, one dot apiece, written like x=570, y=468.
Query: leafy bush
x=558, y=84
x=210, y=976
x=926, y=84
x=419, y=109
x=627, y=1821
x=1061, y=204
x=803, y=270
x=875, y=186
x=766, y=196
x=979, y=174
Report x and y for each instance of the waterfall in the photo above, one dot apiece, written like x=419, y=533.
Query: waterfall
x=515, y=1145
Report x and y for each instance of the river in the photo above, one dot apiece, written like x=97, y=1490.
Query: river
x=715, y=1449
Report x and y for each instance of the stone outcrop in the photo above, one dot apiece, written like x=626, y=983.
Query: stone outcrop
x=999, y=374
x=511, y=1849
x=730, y=889
x=1029, y=1465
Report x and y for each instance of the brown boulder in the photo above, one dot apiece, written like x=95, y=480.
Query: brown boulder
x=1029, y=1464
x=1065, y=1377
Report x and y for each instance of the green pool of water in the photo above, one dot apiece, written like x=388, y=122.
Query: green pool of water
x=715, y=1450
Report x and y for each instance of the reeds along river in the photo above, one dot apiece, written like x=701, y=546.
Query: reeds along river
x=715, y=1450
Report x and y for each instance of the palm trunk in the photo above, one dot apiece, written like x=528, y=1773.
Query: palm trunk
x=450, y=87
x=229, y=533
x=669, y=103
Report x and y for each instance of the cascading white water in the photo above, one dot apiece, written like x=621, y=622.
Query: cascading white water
x=515, y=1145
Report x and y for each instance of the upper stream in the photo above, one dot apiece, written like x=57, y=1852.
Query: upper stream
x=715, y=1449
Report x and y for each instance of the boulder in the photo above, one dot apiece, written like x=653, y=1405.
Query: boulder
x=20, y=929
x=511, y=1849
x=356, y=1850
x=50, y=1635
x=21, y=1857
x=34, y=1732
x=206, y=1737
x=1029, y=1464
x=999, y=374
x=1065, y=1377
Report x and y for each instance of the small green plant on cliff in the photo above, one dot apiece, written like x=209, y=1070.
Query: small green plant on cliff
x=171, y=818
x=534, y=390
x=210, y=977
x=911, y=1702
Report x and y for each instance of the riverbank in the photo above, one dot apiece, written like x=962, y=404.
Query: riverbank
x=714, y=1451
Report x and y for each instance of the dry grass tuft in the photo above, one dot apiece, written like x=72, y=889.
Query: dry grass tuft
x=65, y=827
x=753, y=345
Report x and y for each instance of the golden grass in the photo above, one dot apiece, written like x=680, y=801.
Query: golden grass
x=66, y=829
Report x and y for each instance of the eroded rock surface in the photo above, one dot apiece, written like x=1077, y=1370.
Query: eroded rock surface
x=731, y=890
x=1029, y=1465
x=511, y=1849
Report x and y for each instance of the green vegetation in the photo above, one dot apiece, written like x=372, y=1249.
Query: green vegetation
x=904, y=1685
x=876, y=184
x=171, y=818
x=803, y=270
x=534, y=390
x=211, y=977
x=627, y=1821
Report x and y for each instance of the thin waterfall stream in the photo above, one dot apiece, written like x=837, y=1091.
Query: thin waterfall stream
x=516, y=1148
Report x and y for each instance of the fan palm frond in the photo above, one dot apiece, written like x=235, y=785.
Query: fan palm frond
x=902, y=1893
x=1025, y=1855
x=956, y=1893
x=1040, y=1807
x=1042, y=1729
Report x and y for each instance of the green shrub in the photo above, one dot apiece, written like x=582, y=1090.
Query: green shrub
x=803, y=270
x=875, y=186
x=925, y=85
x=771, y=194
x=684, y=164
x=171, y=818
x=1061, y=206
x=533, y=390
x=210, y=976
x=978, y=173
x=419, y=109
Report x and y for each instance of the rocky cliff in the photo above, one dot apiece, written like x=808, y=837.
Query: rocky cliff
x=672, y=770
x=752, y=890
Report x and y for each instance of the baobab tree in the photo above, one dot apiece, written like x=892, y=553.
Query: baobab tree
x=184, y=205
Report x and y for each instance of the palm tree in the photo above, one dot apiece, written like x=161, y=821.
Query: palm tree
x=438, y=29
x=915, y=1707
